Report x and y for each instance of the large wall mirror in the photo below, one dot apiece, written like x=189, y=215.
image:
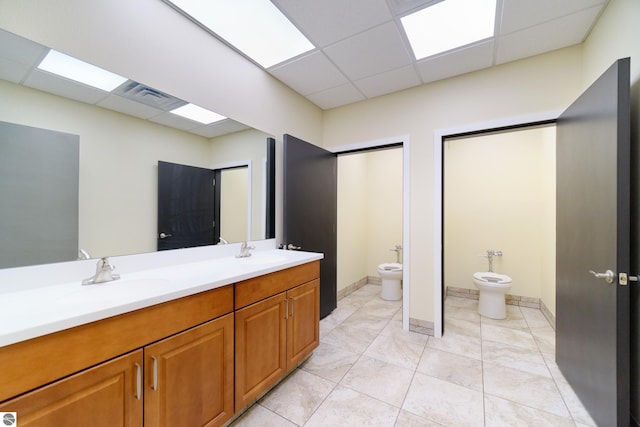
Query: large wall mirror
x=122, y=136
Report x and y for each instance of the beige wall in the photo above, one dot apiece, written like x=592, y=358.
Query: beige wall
x=148, y=51
x=248, y=146
x=542, y=83
x=615, y=36
x=499, y=193
x=118, y=165
x=234, y=204
x=352, y=225
x=538, y=84
x=384, y=210
x=369, y=212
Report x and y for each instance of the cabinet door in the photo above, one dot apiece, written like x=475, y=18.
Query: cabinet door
x=303, y=323
x=189, y=377
x=260, y=347
x=107, y=395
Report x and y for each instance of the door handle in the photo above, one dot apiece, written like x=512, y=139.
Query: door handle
x=154, y=385
x=608, y=276
x=165, y=235
x=138, y=381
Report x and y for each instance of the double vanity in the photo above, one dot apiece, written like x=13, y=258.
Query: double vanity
x=169, y=343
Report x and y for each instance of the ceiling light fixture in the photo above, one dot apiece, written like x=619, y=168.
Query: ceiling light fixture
x=448, y=25
x=255, y=27
x=198, y=114
x=79, y=71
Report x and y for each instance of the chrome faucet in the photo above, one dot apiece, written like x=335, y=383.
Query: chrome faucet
x=397, y=250
x=490, y=254
x=82, y=254
x=103, y=273
x=245, y=250
x=222, y=241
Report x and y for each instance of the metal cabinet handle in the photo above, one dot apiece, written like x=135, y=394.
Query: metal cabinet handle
x=608, y=276
x=138, y=381
x=154, y=364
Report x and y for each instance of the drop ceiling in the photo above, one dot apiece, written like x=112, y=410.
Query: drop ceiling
x=361, y=50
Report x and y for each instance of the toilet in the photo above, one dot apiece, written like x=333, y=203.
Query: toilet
x=493, y=288
x=391, y=275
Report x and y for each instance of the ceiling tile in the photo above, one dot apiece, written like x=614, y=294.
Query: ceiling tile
x=222, y=127
x=457, y=62
x=175, y=121
x=64, y=87
x=309, y=74
x=520, y=14
x=126, y=106
x=18, y=56
x=546, y=37
x=12, y=71
x=402, y=7
x=372, y=52
x=336, y=96
x=391, y=81
x=328, y=21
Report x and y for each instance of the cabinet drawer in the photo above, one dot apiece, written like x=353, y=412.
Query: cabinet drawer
x=108, y=395
x=253, y=290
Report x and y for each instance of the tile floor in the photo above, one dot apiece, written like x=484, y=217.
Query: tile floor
x=367, y=371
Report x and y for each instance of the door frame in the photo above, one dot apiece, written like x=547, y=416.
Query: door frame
x=403, y=140
x=438, y=206
x=240, y=164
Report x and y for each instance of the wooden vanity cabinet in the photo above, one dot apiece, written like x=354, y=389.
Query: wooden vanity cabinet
x=189, y=377
x=193, y=361
x=276, y=326
x=62, y=379
x=108, y=395
x=303, y=323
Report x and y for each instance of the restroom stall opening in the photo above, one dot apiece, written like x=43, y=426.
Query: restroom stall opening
x=498, y=193
x=370, y=213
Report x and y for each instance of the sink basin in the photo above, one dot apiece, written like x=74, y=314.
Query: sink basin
x=110, y=291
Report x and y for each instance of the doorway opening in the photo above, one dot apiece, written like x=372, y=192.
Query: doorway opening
x=373, y=212
x=499, y=215
x=468, y=255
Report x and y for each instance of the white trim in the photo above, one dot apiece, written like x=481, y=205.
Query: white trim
x=238, y=164
x=439, y=135
x=406, y=196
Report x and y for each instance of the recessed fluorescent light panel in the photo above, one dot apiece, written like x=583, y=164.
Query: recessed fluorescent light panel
x=198, y=114
x=255, y=27
x=448, y=25
x=79, y=71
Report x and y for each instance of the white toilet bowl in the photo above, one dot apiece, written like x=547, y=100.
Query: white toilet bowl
x=493, y=288
x=391, y=275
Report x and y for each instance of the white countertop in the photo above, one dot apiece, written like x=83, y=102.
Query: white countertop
x=36, y=311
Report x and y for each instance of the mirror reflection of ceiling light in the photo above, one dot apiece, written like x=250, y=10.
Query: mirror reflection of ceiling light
x=79, y=71
x=255, y=27
x=448, y=25
x=198, y=114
